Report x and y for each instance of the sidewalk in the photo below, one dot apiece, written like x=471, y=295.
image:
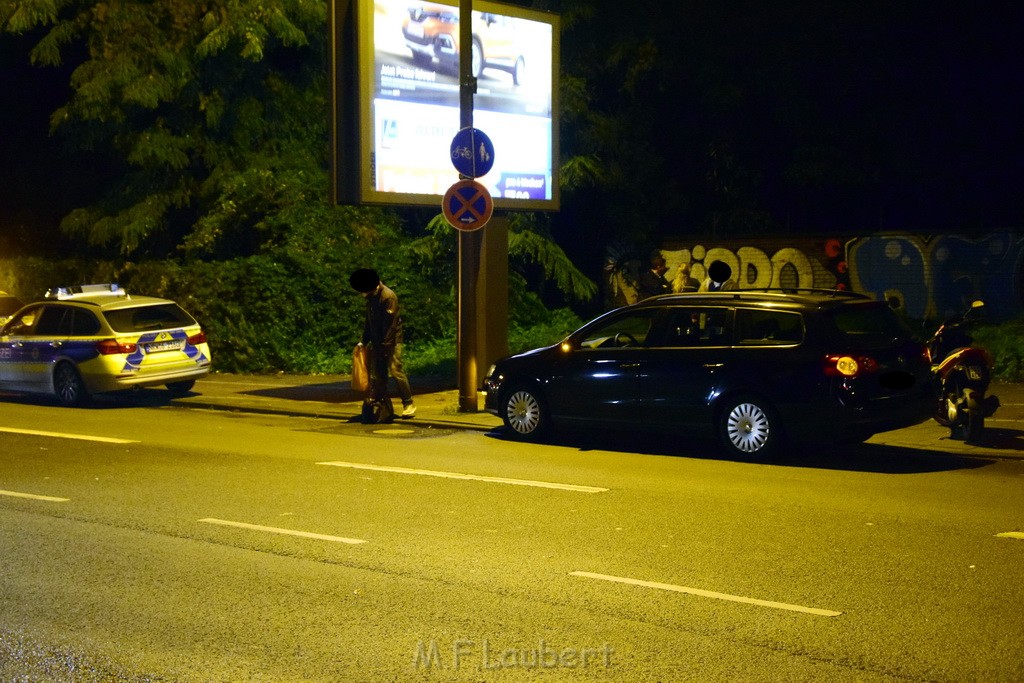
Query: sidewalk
x=331, y=396
x=437, y=405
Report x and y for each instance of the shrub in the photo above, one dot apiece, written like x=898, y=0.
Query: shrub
x=1005, y=342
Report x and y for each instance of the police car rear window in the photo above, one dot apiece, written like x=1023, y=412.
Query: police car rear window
x=147, y=318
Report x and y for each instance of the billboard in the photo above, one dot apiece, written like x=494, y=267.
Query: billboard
x=396, y=101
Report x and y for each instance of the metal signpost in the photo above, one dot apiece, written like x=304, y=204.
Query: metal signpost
x=470, y=242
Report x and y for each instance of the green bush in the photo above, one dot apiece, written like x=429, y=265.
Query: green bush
x=294, y=312
x=1005, y=342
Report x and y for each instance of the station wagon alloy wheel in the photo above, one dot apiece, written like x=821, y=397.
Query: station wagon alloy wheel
x=748, y=428
x=68, y=385
x=524, y=413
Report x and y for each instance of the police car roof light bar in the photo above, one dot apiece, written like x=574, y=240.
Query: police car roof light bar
x=62, y=293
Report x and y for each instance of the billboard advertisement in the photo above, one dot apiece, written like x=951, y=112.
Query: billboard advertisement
x=408, y=111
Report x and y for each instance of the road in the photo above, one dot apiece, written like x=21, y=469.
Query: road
x=150, y=542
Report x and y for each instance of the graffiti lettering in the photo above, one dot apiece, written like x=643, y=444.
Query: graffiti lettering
x=928, y=277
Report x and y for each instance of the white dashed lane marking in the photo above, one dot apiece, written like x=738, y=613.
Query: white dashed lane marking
x=64, y=435
x=33, y=496
x=468, y=477
x=285, y=532
x=708, y=594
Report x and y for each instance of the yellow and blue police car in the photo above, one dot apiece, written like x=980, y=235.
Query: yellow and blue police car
x=91, y=339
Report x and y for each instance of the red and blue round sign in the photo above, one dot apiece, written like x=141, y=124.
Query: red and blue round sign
x=467, y=205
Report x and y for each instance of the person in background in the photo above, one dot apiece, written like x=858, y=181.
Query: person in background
x=382, y=335
x=682, y=281
x=719, y=278
x=652, y=282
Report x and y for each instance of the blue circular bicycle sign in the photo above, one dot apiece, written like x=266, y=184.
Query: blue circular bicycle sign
x=472, y=153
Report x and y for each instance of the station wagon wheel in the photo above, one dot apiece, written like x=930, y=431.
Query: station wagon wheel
x=68, y=385
x=749, y=428
x=524, y=413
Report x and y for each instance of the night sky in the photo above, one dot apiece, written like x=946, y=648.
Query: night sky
x=920, y=103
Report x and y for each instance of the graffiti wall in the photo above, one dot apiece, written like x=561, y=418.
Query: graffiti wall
x=928, y=277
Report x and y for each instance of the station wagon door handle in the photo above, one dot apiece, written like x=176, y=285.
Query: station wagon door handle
x=56, y=344
x=712, y=366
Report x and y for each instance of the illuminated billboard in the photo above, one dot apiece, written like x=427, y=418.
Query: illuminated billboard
x=396, y=101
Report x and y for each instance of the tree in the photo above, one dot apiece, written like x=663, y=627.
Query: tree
x=214, y=112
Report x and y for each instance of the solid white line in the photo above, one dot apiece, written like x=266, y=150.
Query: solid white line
x=62, y=435
x=709, y=594
x=468, y=477
x=286, y=532
x=52, y=499
x=1011, y=534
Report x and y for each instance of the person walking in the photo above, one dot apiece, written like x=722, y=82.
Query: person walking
x=382, y=335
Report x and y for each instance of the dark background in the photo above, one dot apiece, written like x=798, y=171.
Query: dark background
x=723, y=118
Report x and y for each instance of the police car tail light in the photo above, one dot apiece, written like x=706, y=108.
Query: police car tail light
x=199, y=338
x=109, y=347
x=839, y=365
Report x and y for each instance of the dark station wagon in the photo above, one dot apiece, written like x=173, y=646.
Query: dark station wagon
x=755, y=368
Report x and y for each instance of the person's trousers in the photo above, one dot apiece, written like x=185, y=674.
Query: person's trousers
x=387, y=362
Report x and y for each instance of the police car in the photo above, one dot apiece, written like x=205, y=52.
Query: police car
x=91, y=339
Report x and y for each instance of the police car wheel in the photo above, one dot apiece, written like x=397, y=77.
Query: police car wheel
x=68, y=385
x=181, y=388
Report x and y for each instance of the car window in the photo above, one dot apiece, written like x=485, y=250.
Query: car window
x=22, y=324
x=83, y=323
x=52, y=322
x=758, y=327
x=689, y=327
x=146, y=318
x=871, y=323
x=628, y=329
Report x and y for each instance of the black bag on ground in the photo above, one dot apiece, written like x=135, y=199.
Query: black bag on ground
x=378, y=411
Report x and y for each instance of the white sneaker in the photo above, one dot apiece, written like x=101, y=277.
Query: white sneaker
x=409, y=411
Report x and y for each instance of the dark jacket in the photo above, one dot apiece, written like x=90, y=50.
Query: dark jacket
x=651, y=284
x=383, y=321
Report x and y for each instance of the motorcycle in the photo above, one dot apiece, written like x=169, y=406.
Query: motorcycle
x=962, y=374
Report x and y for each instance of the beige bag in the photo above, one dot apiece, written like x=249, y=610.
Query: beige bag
x=360, y=372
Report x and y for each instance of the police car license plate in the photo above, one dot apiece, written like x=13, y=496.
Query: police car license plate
x=157, y=347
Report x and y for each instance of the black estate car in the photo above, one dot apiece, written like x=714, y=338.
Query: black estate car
x=754, y=367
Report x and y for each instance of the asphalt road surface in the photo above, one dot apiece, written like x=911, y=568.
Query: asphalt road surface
x=147, y=542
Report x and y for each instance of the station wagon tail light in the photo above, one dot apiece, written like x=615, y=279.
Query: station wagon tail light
x=849, y=366
x=109, y=347
x=198, y=338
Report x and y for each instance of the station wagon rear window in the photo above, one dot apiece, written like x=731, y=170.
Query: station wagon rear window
x=871, y=323
x=148, y=318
